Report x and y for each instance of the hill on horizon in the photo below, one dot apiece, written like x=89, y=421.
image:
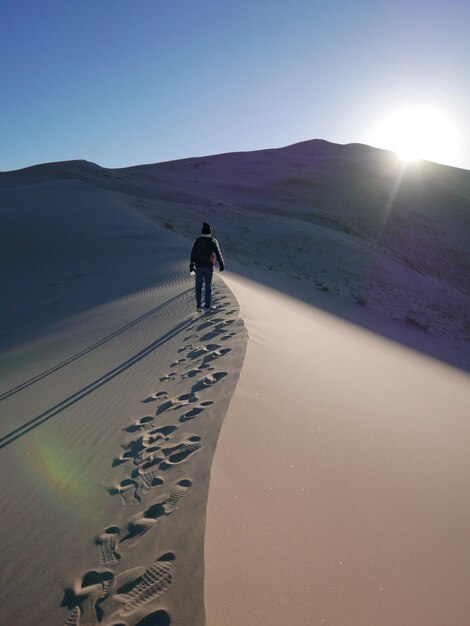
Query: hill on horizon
x=350, y=221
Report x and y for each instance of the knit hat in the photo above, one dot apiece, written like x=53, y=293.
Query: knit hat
x=206, y=229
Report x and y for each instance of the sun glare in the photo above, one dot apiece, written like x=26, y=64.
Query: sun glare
x=418, y=133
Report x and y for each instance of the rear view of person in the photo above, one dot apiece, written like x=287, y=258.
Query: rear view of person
x=202, y=261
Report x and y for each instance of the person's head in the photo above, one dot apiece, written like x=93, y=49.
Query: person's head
x=206, y=229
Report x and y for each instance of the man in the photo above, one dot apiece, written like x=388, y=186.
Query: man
x=202, y=260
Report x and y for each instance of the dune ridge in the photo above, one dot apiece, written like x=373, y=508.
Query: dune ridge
x=341, y=465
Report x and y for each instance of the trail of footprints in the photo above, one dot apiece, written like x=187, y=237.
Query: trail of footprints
x=149, y=456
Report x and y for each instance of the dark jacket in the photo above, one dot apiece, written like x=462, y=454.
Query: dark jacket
x=204, y=249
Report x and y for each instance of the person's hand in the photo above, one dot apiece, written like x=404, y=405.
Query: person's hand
x=221, y=267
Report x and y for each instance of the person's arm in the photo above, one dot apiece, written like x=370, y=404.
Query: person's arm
x=192, y=264
x=218, y=254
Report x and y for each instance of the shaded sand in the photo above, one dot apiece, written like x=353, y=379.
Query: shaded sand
x=112, y=394
x=339, y=490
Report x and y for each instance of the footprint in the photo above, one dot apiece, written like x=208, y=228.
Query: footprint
x=220, y=328
x=197, y=352
x=203, y=350
x=195, y=411
x=180, y=453
x=73, y=618
x=177, y=402
x=159, y=509
x=107, y=542
x=178, y=362
x=154, y=397
x=94, y=589
x=151, y=442
x=187, y=347
x=193, y=373
x=170, y=376
x=132, y=452
x=128, y=490
x=176, y=495
x=144, y=524
x=148, y=453
x=229, y=336
x=215, y=355
x=166, y=431
x=212, y=334
x=208, y=381
x=204, y=325
x=172, y=455
x=144, y=423
x=152, y=584
x=157, y=618
x=125, y=456
x=135, y=450
x=212, y=346
x=157, y=435
x=150, y=479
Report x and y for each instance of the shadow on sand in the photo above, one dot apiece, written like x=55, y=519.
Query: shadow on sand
x=33, y=423
x=402, y=332
x=98, y=344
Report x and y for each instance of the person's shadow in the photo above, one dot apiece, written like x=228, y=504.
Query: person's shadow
x=98, y=344
x=22, y=430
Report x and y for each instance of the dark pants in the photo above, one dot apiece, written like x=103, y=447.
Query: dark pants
x=204, y=273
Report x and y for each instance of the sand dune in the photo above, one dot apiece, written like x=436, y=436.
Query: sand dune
x=337, y=493
x=340, y=478
x=113, y=393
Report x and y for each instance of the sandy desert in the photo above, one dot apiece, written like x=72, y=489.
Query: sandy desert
x=299, y=455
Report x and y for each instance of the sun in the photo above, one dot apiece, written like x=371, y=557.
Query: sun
x=418, y=133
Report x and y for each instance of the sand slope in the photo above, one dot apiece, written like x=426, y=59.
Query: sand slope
x=339, y=489
x=112, y=395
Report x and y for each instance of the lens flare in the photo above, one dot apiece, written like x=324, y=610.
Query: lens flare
x=62, y=476
x=418, y=133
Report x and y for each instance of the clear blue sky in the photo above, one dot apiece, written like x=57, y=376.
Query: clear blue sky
x=124, y=82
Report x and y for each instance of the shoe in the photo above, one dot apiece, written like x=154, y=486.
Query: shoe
x=199, y=309
x=208, y=309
